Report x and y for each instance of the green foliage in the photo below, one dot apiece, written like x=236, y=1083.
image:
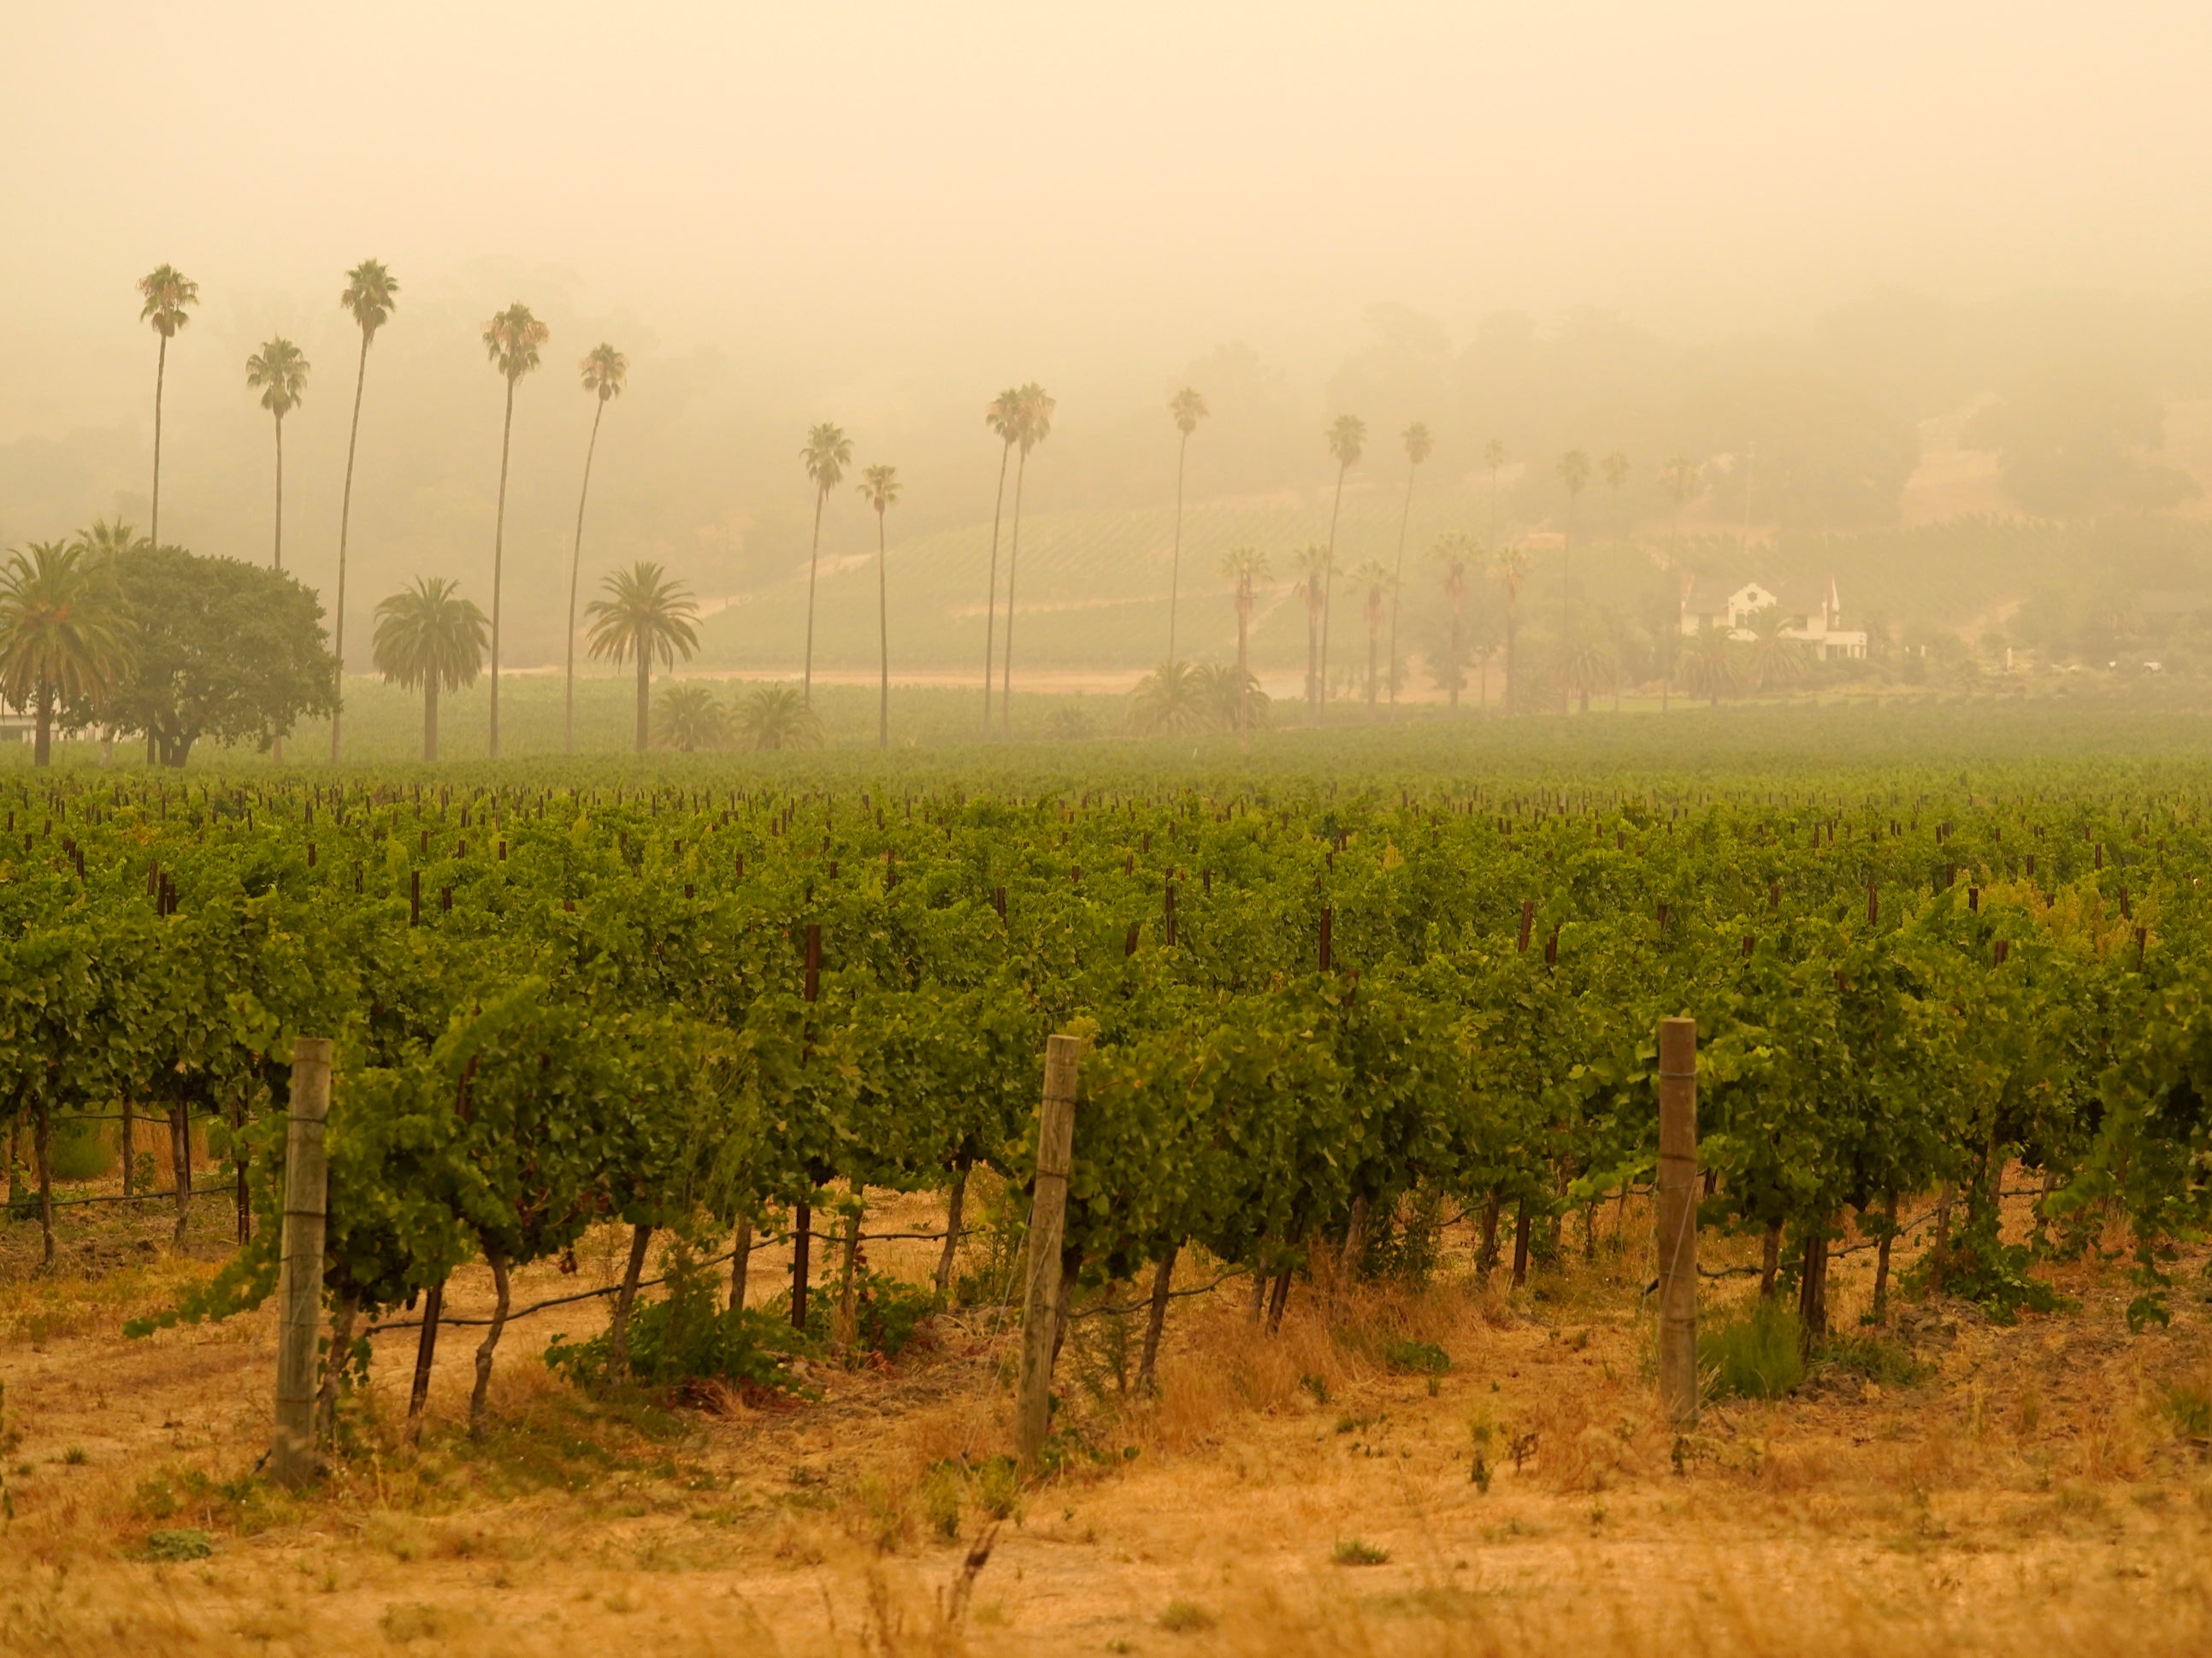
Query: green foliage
x=887, y=1312
x=179, y=1543
x=1753, y=1354
x=1351, y=1552
x=1876, y=1359
x=1409, y=1358
x=685, y=1336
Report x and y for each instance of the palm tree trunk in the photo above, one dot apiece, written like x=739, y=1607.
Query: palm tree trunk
x=42, y=743
x=345, y=523
x=991, y=597
x=1174, y=559
x=644, y=697
x=1512, y=642
x=1405, y=517
x=1566, y=602
x=279, y=560
x=1313, y=654
x=430, y=720
x=1452, y=683
x=813, y=563
x=1372, y=630
x=1327, y=592
x=498, y=554
x=575, y=568
x=1244, y=674
x=1013, y=558
x=883, y=642
x=160, y=374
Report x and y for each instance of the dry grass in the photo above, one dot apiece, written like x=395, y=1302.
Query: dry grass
x=2043, y=1489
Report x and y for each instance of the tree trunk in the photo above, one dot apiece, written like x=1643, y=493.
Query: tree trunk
x=618, y=1328
x=1328, y=595
x=161, y=374
x=42, y=1152
x=741, y=1257
x=278, y=559
x=1452, y=677
x=1485, y=1259
x=498, y=558
x=478, y=1396
x=991, y=597
x=181, y=1153
x=1943, y=1201
x=1371, y=687
x=1174, y=557
x=334, y=1365
x=1770, y=1261
x=955, y=1200
x=813, y=564
x=1013, y=560
x=1313, y=659
x=345, y=524
x=1398, y=589
x=575, y=571
x=1156, y=1320
x=1881, y=1261
x=42, y=737
x=1279, y=1300
x=130, y=1149
x=848, y=1312
x=1244, y=674
x=1813, y=1288
x=644, y=737
x=430, y=719
x=426, y=1354
x=1522, y=1219
x=1355, y=1241
x=802, y=1222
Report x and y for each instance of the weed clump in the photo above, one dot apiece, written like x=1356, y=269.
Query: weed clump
x=687, y=1336
x=1755, y=1355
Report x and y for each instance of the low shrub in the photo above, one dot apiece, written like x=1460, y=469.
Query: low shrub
x=1754, y=1355
x=686, y=1336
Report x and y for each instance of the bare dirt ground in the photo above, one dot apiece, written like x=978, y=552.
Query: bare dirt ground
x=2037, y=1488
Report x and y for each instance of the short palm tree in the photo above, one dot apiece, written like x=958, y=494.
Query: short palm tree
x=879, y=485
x=168, y=297
x=1419, y=448
x=371, y=294
x=602, y=371
x=1708, y=663
x=1775, y=660
x=827, y=452
x=1187, y=407
x=689, y=717
x=64, y=633
x=1455, y=554
x=1374, y=578
x=778, y=717
x=1244, y=566
x=430, y=638
x=1512, y=564
x=1003, y=415
x=1033, y=427
x=279, y=371
x=1574, y=471
x=512, y=341
x=1233, y=699
x=1313, y=562
x=1347, y=441
x=1170, y=700
x=643, y=616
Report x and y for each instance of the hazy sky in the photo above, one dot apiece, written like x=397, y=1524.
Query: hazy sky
x=872, y=199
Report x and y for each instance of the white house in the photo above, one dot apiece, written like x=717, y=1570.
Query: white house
x=1810, y=611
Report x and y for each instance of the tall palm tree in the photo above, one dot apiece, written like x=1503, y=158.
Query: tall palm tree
x=644, y=615
x=63, y=633
x=1616, y=469
x=1454, y=554
x=168, y=296
x=879, y=484
x=1003, y=414
x=279, y=371
x=428, y=637
x=827, y=452
x=1187, y=407
x=1244, y=566
x=1312, y=562
x=777, y=717
x=1512, y=564
x=512, y=340
x=1679, y=479
x=1494, y=457
x=1418, y=446
x=1375, y=576
x=1347, y=440
x=602, y=371
x=1574, y=471
x=1036, y=408
x=371, y=294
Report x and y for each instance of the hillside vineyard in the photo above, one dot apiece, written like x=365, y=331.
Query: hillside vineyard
x=702, y=1003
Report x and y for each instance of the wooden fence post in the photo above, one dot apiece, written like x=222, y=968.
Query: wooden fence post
x=1678, y=1220
x=300, y=1292
x=1047, y=1227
